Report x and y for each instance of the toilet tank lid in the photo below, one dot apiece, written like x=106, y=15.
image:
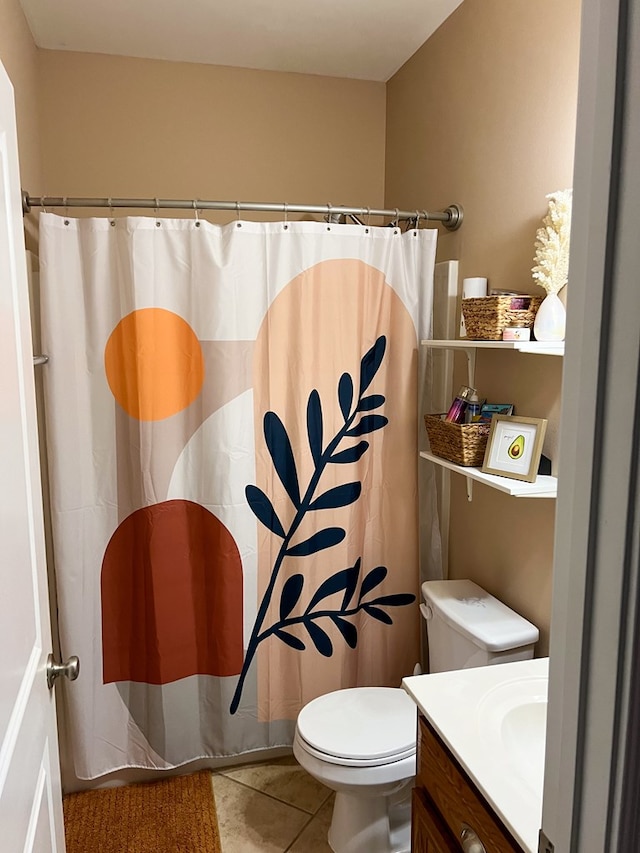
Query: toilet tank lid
x=480, y=617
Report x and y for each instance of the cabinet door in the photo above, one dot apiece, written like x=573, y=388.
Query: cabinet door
x=455, y=797
x=428, y=832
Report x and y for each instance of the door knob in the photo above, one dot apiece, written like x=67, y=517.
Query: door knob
x=70, y=669
x=470, y=841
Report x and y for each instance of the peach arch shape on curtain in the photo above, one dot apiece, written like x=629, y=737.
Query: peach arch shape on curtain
x=339, y=469
x=171, y=588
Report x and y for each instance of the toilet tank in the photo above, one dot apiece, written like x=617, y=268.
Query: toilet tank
x=467, y=627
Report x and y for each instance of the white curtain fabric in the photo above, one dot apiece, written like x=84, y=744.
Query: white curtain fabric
x=233, y=420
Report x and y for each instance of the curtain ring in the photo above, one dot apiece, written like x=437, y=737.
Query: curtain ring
x=157, y=212
x=66, y=210
x=238, y=210
x=42, y=202
x=112, y=221
x=195, y=211
x=368, y=217
x=286, y=224
x=417, y=219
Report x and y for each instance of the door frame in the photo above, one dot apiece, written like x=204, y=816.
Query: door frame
x=589, y=787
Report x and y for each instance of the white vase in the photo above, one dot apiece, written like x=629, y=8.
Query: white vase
x=550, y=321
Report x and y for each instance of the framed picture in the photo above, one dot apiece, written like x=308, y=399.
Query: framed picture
x=514, y=447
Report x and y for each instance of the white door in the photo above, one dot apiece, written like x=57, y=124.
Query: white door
x=30, y=791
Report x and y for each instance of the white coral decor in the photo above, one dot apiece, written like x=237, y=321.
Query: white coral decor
x=552, y=243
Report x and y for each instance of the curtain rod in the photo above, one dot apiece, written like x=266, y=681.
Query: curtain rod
x=451, y=217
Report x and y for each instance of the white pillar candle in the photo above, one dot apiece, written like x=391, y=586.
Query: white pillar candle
x=473, y=288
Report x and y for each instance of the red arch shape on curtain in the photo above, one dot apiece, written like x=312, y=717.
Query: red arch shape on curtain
x=171, y=589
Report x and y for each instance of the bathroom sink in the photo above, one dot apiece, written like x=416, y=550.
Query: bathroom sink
x=512, y=722
x=493, y=719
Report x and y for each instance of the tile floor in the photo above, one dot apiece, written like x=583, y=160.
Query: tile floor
x=274, y=807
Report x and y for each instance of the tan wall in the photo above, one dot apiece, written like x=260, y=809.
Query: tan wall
x=484, y=115
x=19, y=55
x=116, y=126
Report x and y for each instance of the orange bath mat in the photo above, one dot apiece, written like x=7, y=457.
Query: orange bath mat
x=176, y=815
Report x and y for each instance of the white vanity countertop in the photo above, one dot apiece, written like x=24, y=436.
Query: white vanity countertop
x=493, y=719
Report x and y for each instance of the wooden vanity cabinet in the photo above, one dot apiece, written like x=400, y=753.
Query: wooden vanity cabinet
x=449, y=814
x=428, y=832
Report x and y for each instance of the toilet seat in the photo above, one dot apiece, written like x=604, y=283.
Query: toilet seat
x=359, y=727
x=353, y=762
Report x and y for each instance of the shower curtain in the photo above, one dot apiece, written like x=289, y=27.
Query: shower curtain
x=232, y=420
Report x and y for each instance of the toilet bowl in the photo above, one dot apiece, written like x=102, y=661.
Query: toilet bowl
x=361, y=741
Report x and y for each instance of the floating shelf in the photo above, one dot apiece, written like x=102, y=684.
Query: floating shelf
x=543, y=487
x=535, y=347
x=470, y=348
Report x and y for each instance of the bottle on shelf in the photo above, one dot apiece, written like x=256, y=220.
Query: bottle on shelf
x=472, y=409
x=455, y=415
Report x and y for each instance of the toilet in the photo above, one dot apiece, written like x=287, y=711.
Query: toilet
x=361, y=741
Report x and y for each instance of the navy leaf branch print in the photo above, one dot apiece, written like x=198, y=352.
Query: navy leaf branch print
x=357, y=589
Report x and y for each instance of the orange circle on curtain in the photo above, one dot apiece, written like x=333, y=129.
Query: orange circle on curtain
x=154, y=364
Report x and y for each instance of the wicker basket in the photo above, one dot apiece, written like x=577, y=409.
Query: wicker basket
x=487, y=316
x=463, y=444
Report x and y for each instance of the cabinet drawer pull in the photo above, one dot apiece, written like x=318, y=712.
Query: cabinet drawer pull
x=470, y=841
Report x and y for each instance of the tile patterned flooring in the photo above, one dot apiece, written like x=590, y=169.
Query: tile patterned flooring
x=273, y=807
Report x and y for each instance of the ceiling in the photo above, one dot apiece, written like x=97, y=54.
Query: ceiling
x=362, y=39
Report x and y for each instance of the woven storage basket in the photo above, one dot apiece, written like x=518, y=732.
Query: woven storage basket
x=463, y=444
x=487, y=316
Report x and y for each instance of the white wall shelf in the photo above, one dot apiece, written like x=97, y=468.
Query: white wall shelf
x=470, y=348
x=535, y=347
x=543, y=487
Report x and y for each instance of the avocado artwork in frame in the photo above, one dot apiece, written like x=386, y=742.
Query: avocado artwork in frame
x=514, y=447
